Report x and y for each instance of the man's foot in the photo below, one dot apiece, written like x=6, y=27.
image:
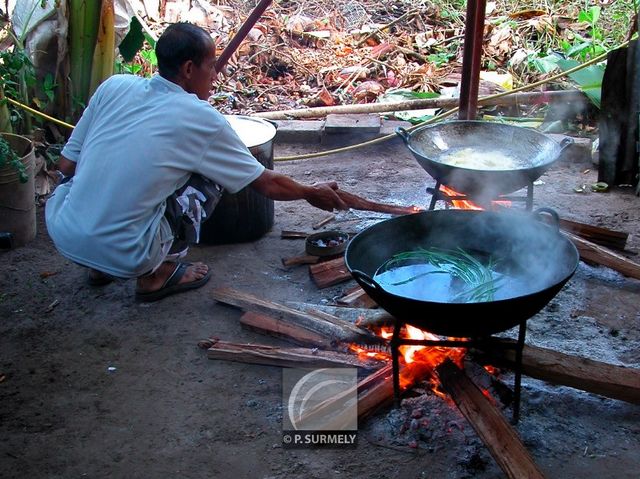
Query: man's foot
x=98, y=278
x=171, y=278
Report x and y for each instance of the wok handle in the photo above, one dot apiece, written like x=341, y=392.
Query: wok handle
x=565, y=143
x=404, y=134
x=552, y=213
x=366, y=279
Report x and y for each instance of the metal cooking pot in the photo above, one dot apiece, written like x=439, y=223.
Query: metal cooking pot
x=530, y=154
x=539, y=258
x=246, y=215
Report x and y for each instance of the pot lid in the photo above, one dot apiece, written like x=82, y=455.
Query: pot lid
x=252, y=131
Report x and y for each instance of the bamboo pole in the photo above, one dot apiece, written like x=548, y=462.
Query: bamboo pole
x=425, y=103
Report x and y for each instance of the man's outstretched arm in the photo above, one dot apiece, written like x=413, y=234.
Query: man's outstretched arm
x=283, y=188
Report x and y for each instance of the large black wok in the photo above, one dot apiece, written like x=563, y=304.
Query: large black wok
x=531, y=154
x=535, y=253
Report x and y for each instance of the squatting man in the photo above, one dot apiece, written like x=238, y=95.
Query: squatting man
x=145, y=160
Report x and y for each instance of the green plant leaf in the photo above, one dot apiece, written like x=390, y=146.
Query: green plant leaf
x=545, y=64
x=589, y=79
x=150, y=57
x=578, y=48
x=404, y=94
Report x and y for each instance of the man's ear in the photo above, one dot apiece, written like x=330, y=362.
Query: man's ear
x=186, y=69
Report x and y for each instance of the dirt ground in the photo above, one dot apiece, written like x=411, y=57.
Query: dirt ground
x=97, y=385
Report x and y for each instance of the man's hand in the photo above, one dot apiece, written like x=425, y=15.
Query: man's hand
x=324, y=196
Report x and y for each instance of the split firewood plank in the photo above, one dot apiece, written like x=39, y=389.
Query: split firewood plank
x=329, y=265
x=363, y=317
x=293, y=332
x=329, y=273
x=616, y=382
x=358, y=203
x=594, y=253
x=357, y=297
x=283, y=328
x=302, y=259
x=333, y=328
x=596, y=234
x=287, y=357
x=501, y=439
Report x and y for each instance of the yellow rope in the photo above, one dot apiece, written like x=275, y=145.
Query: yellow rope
x=38, y=113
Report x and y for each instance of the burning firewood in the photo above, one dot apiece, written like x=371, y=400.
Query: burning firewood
x=500, y=438
x=286, y=357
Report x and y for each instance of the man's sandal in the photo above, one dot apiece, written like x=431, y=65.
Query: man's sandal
x=172, y=285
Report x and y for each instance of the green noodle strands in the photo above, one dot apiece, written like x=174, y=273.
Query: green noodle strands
x=478, y=278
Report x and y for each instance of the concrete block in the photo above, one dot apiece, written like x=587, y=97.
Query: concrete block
x=299, y=131
x=352, y=124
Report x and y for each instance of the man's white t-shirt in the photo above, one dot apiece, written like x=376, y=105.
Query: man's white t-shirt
x=137, y=142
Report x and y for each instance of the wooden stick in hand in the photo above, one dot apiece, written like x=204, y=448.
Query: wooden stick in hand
x=358, y=203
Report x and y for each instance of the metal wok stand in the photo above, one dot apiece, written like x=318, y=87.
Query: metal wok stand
x=489, y=342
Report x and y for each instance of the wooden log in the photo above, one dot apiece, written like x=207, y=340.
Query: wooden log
x=357, y=298
x=363, y=317
x=282, y=328
x=616, y=382
x=288, y=357
x=594, y=253
x=358, y=203
x=302, y=259
x=335, y=329
x=596, y=234
x=329, y=273
x=500, y=438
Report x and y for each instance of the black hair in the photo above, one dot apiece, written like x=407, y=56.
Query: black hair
x=179, y=43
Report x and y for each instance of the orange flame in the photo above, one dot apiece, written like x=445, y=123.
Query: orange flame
x=469, y=205
x=419, y=361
